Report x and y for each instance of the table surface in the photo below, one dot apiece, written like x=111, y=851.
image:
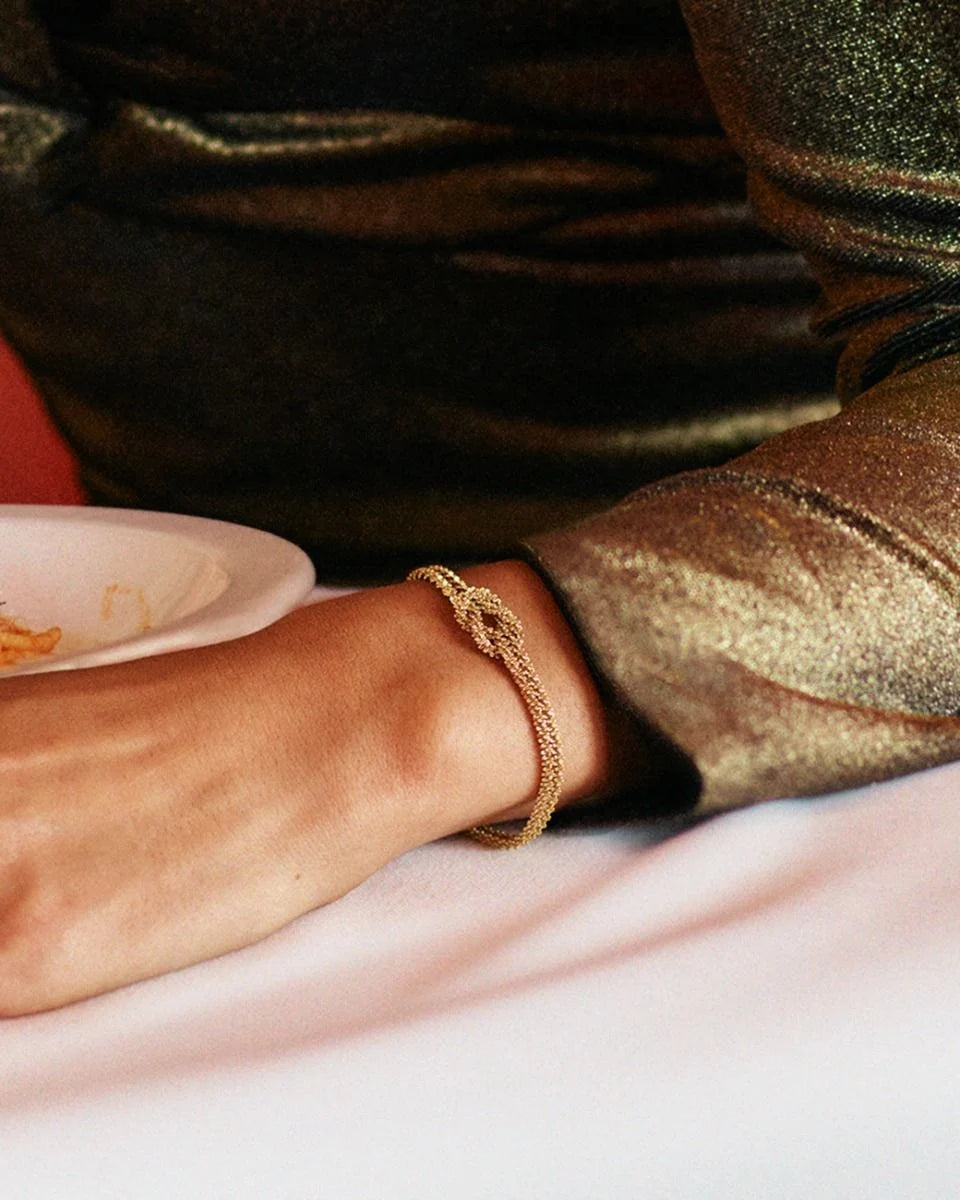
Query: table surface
x=762, y=1005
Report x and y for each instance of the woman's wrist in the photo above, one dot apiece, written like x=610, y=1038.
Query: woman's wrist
x=472, y=757
x=444, y=740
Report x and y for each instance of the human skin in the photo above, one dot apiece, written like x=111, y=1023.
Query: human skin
x=161, y=812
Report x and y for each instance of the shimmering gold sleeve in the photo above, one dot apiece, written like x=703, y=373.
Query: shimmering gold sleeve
x=791, y=622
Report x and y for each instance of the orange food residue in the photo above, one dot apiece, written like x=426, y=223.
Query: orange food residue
x=18, y=643
x=116, y=592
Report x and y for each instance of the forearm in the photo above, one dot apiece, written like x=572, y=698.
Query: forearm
x=166, y=810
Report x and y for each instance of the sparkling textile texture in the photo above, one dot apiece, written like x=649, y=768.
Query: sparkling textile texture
x=791, y=621
x=849, y=116
x=400, y=281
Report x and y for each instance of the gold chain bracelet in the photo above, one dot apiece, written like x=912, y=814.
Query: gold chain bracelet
x=498, y=633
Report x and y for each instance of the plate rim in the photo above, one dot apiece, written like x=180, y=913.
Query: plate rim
x=268, y=577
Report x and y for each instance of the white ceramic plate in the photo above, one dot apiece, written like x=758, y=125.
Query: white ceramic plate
x=124, y=584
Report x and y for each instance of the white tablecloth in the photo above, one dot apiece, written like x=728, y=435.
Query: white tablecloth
x=763, y=1006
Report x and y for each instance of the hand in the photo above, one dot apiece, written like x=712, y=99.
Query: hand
x=159, y=812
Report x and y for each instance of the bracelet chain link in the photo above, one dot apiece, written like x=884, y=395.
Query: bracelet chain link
x=497, y=632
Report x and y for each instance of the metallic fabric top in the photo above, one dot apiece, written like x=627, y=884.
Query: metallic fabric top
x=790, y=622
x=401, y=281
